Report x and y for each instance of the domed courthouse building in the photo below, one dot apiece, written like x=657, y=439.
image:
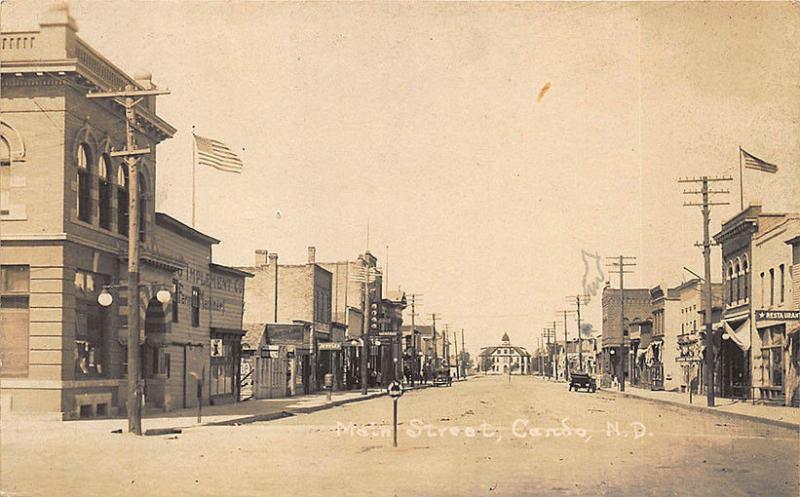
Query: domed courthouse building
x=505, y=358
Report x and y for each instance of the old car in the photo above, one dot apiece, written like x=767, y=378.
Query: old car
x=582, y=380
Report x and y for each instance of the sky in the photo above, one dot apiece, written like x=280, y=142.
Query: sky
x=485, y=145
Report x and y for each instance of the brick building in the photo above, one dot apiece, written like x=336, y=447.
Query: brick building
x=297, y=297
x=615, y=340
x=734, y=361
x=64, y=226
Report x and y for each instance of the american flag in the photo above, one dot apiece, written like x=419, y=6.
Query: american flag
x=753, y=162
x=216, y=154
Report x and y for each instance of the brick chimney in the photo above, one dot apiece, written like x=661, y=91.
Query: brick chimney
x=312, y=255
x=261, y=257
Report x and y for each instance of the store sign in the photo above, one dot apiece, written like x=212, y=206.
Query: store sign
x=217, y=350
x=269, y=352
x=777, y=315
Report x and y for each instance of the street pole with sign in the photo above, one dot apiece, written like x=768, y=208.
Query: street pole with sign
x=395, y=391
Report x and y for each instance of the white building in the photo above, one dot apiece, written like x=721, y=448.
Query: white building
x=505, y=358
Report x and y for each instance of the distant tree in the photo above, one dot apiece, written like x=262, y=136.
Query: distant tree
x=465, y=360
x=587, y=330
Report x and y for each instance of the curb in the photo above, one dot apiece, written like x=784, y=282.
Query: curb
x=271, y=416
x=709, y=410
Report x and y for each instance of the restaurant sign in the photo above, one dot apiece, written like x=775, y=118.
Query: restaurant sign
x=762, y=315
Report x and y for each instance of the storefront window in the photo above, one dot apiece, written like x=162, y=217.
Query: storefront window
x=222, y=367
x=772, y=356
x=14, y=320
x=90, y=325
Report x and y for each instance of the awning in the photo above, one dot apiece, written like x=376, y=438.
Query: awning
x=740, y=335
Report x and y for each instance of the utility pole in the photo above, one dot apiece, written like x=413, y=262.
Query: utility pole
x=435, y=352
x=577, y=299
x=463, y=355
x=556, y=353
x=458, y=370
x=566, y=355
x=705, y=192
x=414, y=339
x=539, y=355
x=620, y=263
x=548, y=334
x=446, y=346
x=129, y=98
x=364, y=275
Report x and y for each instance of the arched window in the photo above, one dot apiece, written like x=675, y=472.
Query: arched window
x=730, y=283
x=5, y=177
x=142, y=207
x=104, y=190
x=746, y=279
x=122, y=199
x=738, y=275
x=84, y=199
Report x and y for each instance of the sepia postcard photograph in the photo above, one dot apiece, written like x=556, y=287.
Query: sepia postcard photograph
x=399, y=248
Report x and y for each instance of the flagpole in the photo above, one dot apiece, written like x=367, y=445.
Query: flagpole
x=194, y=176
x=741, y=181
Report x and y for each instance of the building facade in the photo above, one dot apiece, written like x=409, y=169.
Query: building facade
x=775, y=312
x=734, y=359
x=288, y=298
x=692, y=327
x=505, y=358
x=64, y=237
x=615, y=340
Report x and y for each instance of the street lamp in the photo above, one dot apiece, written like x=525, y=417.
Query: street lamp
x=105, y=298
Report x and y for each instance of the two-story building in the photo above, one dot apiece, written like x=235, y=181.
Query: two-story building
x=690, y=336
x=734, y=361
x=297, y=297
x=505, y=358
x=775, y=311
x=64, y=227
x=615, y=340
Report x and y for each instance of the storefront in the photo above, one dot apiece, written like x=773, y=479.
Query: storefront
x=226, y=353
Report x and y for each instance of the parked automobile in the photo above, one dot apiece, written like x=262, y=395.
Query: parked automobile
x=582, y=380
x=443, y=378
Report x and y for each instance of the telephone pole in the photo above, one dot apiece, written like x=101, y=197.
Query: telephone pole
x=435, y=352
x=129, y=98
x=414, y=339
x=548, y=334
x=463, y=354
x=566, y=356
x=458, y=368
x=620, y=263
x=369, y=320
x=705, y=192
x=577, y=299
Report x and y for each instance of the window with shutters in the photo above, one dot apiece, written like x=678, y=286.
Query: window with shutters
x=14, y=320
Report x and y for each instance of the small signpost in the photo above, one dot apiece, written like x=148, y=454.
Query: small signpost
x=328, y=384
x=395, y=391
